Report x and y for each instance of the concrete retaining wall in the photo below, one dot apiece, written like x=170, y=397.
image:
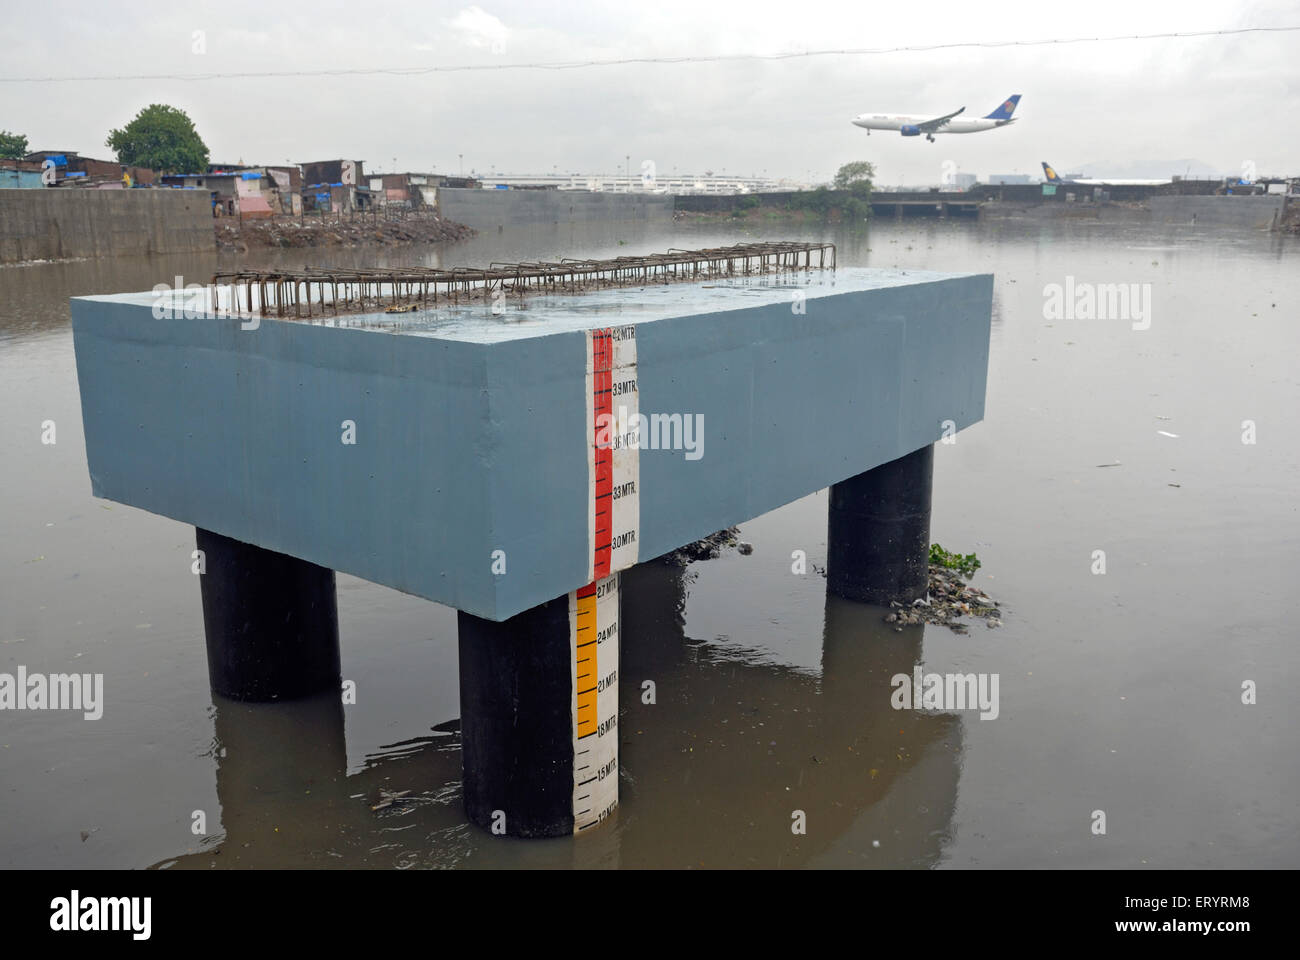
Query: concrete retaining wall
x=58, y=224
x=1023, y=194
x=727, y=202
x=1105, y=212
x=493, y=209
x=1259, y=212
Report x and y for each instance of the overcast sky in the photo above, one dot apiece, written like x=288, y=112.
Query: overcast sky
x=1119, y=106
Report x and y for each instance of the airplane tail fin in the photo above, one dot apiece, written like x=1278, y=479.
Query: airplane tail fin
x=1007, y=108
x=1050, y=173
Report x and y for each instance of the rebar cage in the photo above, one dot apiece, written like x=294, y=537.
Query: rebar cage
x=289, y=293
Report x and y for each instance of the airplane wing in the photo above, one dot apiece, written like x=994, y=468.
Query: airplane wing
x=932, y=125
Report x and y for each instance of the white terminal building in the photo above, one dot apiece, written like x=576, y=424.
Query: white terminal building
x=706, y=183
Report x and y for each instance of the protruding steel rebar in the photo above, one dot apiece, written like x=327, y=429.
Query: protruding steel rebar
x=288, y=293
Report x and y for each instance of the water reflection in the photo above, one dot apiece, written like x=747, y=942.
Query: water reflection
x=716, y=768
x=712, y=771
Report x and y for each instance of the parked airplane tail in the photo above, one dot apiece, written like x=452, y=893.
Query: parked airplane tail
x=1051, y=174
x=1007, y=108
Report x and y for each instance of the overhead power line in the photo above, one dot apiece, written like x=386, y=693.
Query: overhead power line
x=581, y=64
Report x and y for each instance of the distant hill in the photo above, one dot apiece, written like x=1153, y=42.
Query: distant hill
x=1186, y=168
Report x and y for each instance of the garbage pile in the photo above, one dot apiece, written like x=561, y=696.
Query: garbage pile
x=950, y=600
x=333, y=232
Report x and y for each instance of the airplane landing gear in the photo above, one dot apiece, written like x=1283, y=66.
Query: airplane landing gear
x=930, y=137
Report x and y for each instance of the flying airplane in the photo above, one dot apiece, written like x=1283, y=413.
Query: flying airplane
x=1053, y=177
x=911, y=126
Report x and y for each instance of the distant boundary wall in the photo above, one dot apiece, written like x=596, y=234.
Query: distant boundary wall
x=496, y=209
x=1181, y=202
x=1026, y=193
x=1250, y=213
x=1262, y=213
x=61, y=224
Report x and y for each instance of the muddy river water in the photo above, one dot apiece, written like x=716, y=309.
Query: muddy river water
x=1167, y=440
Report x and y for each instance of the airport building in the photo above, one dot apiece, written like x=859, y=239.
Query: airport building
x=650, y=182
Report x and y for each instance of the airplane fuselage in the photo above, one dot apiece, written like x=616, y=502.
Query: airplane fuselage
x=1116, y=183
x=904, y=123
x=1053, y=177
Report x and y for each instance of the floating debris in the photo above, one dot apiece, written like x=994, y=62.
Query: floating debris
x=388, y=798
x=709, y=548
x=950, y=599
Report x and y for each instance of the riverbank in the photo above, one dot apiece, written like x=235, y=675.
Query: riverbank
x=756, y=215
x=330, y=232
x=1291, y=219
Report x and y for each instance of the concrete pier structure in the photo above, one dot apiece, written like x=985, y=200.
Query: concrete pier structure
x=508, y=456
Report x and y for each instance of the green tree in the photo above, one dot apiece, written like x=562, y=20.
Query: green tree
x=855, y=174
x=13, y=146
x=818, y=200
x=160, y=138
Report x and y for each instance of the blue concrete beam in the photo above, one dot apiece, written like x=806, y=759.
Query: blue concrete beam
x=472, y=431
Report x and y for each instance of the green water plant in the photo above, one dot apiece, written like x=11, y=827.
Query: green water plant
x=966, y=564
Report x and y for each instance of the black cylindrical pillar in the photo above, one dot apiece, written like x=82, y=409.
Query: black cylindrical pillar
x=879, y=531
x=539, y=715
x=516, y=723
x=271, y=622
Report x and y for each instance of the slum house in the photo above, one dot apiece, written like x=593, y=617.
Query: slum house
x=413, y=191
x=347, y=172
x=222, y=186
x=20, y=174
x=278, y=187
x=287, y=181
x=335, y=198
x=248, y=193
x=335, y=186
x=73, y=170
x=395, y=190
